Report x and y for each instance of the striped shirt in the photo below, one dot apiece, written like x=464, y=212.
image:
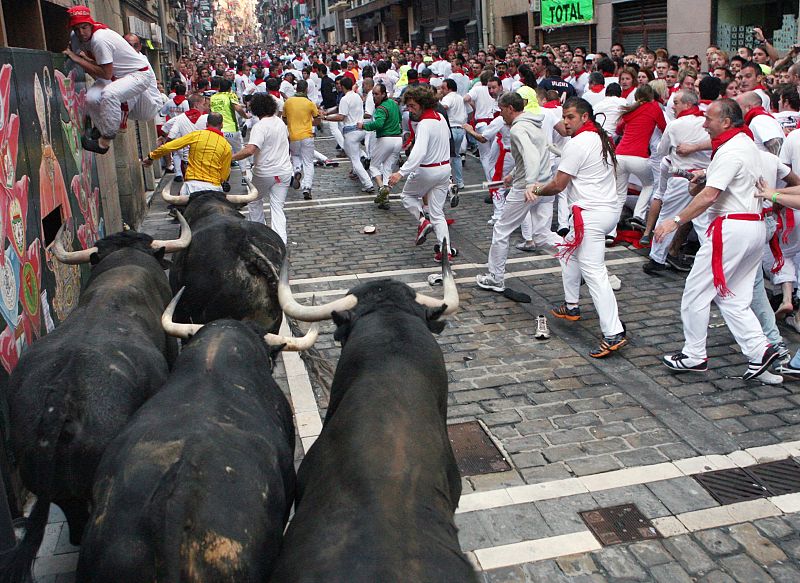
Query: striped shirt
x=209, y=155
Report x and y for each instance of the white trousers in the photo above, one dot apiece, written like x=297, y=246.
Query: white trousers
x=640, y=167
x=674, y=199
x=302, y=152
x=336, y=132
x=352, y=148
x=191, y=186
x=790, y=251
x=499, y=194
x=515, y=211
x=105, y=98
x=385, y=153
x=588, y=261
x=276, y=187
x=743, y=244
x=434, y=182
x=177, y=158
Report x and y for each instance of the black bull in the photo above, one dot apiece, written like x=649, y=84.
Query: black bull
x=198, y=486
x=378, y=489
x=231, y=268
x=73, y=390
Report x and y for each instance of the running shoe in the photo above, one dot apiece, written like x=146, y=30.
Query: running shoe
x=637, y=223
x=567, y=313
x=609, y=344
x=755, y=369
x=307, y=195
x=542, y=329
x=644, y=241
x=679, y=263
x=383, y=196
x=653, y=267
x=526, y=246
x=681, y=363
x=616, y=282
x=437, y=254
x=487, y=281
x=423, y=231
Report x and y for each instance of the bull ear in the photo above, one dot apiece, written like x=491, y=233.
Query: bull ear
x=432, y=316
x=343, y=320
x=94, y=259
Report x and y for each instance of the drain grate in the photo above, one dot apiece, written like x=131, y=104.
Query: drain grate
x=758, y=481
x=475, y=451
x=619, y=524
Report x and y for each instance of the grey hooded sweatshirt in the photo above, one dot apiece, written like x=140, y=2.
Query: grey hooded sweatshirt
x=529, y=148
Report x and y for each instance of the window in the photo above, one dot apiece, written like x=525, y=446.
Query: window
x=641, y=23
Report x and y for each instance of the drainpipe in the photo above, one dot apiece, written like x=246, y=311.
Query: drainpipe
x=484, y=24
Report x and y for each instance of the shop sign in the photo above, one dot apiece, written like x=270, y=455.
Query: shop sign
x=562, y=12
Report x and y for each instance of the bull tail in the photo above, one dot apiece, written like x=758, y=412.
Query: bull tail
x=16, y=563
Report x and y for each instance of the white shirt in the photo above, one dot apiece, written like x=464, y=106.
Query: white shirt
x=462, y=82
x=441, y=68
x=456, y=111
x=497, y=125
x=593, y=185
x=764, y=98
x=734, y=172
x=789, y=120
x=171, y=110
x=765, y=128
x=595, y=98
x=611, y=109
x=108, y=46
x=271, y=136
x=387, y=81
x=287, y=88
x=431, y=145
x=484, y=104
x=580, y=82
x=685, y=130
x=790, y=151
x=352, y=108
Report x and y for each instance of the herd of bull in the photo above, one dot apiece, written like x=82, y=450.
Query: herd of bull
x=179, y=466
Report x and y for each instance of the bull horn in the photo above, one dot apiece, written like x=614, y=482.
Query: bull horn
x=252, y=194
x=173, y=328
x=70, y=257
x=303, y=313
x=173, y=245
x=294, y=344
x=450, y=292
x=181, y=199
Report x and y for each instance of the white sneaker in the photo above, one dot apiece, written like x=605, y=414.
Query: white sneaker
x=526, y=246
x=491, y=221
x=769, y=378
x=542, y=330
x=486, y=281
x=616, y=283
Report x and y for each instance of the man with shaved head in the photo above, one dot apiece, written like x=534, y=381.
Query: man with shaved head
x=767, y=132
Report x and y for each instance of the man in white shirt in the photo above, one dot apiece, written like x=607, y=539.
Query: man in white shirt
x=483, y=100
x=351, y=113
x=123, y=78
x=427, y=169
x=752, y=78
x=579, y=77
x=767, y=132
x=457, y=115
x=609, y=109
x=724, y=269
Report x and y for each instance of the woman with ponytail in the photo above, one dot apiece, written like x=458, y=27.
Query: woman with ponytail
x=586, y=175
x=637, y=125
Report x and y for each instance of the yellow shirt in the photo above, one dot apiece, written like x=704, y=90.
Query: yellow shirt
x=209, y=155
x=299, y=113
x=532, y=105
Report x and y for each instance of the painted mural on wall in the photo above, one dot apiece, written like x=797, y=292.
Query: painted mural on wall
x=43, y=173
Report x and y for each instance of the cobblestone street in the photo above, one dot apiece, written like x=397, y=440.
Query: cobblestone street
x=579, y=433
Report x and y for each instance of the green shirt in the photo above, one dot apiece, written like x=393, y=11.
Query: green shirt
x=221, y=103
x=386, y=120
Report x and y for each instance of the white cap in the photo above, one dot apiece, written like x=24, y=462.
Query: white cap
x=590, y=57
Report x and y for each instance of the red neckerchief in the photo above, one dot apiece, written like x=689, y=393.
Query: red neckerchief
x=673, y=90
x=760, y=86
x=258, y=82
x=504, y=76
x=423, y=80
x=596, y=88
x=717, y=143
x=628, y=91
x=748, y=117
x=694, y=110
x=216, y=131
x=275, y=93
x=607, y=75
x=587, y=127
x=178, y=99
x=193, y=115
x=706, y=101
x=551, y=104
x=426, y=114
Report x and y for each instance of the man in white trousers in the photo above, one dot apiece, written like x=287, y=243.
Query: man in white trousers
x=268, y=143
x=123, y=78
x=531, y=165
x=586, y=173
x=351, y=113
x=687, y=127
x=301, y=116
x=387, y=125
x=428, y=168
x=725, y=268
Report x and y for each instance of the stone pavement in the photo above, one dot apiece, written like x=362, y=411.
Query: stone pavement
x=579, y=433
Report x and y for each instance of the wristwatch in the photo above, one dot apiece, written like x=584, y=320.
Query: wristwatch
x=677, y=219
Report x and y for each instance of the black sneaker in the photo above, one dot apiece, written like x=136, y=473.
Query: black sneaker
x=178, y=179
x=637, y=223
x=488, y=199
x=681, y=363
x=566, y=313
x=756, y=368
x=653, y=267
x=610, y=239
x=306, y=195
x=563, y=232
x=609, y=345
x=92, y=146
x=295, y=183
x=678, y=263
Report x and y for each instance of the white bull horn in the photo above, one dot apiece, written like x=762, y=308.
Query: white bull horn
x=303, y=313
x=450, y=291
x=295, y=344
x=70, y=257
x=173, y=328
x=181, y=199
x=252, y=194
x=173, y=245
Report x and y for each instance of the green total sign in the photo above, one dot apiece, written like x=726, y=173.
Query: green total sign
x=561, y=12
